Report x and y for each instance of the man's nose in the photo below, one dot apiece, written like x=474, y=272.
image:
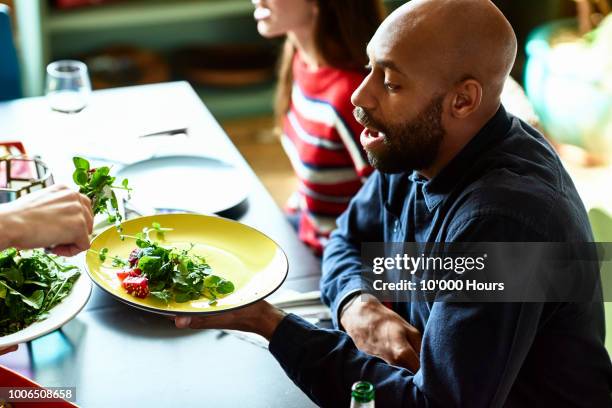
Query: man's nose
x=362, y=95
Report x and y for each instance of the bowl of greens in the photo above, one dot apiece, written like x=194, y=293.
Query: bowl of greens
x=39, y=293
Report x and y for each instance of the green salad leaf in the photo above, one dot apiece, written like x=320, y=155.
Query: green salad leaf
x=31, y=284
x=98, y=185
x=167, y=273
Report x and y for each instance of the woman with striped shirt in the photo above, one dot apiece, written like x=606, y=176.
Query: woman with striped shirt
x=322, y=64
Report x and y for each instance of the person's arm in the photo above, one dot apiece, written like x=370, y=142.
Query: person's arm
x=470, y=357
x=341, y=265
x=56, y=218
x=8, y=230
x=395, y=340
x=471, y=352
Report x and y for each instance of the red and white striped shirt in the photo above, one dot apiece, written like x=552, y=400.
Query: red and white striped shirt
x=321, y=138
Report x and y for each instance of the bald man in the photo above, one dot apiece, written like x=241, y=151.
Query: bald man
x=453, y=166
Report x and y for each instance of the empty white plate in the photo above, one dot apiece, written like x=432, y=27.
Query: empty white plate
x=186, y=183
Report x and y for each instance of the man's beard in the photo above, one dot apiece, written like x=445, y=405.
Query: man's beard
x=408, y=146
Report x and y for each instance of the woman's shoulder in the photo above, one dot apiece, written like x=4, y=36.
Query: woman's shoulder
x=329, y=83
x=336, y=87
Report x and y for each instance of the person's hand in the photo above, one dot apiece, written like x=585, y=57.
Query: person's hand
x=381, y=332
x=261, y=318
x=8, y=349
x=56, y=217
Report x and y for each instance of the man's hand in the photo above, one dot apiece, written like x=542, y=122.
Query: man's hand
x=261, y=318
x=381, y=332
x=8, y=349
x=55, y=217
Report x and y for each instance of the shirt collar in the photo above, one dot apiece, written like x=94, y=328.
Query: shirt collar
x=438, y=188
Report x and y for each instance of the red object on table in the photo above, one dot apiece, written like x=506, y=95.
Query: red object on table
x=11, y=379
x=18, y=169
x=9, y=146
x=67, y=4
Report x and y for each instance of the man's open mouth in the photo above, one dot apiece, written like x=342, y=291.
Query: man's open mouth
x=373, y=133
x=371, y=137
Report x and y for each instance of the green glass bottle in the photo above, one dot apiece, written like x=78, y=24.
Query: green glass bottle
x=362, y=395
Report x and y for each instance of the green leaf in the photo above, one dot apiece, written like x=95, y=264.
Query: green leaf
x=97, y=185
x=118, y=262
x=161, y=232
x=211, y=281
x=142, y=241
x=36, y=299
x=7, y=256
x=218, y=285
x=13, y=275
x=98, y=180
x=81, y=163
x=225, y=287
x=150, y=265
x=182, y=297
x=102, y=171
x=18, y=294
x=36, y=283
x=164, y=295
x=80, y=177
x=156, y=286
x=114, y=203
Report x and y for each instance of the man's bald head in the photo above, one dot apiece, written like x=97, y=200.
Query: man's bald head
x=454, y=40
x=437, y=72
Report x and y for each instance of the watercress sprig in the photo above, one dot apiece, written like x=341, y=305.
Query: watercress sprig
x=97, y=184
x=166, y=273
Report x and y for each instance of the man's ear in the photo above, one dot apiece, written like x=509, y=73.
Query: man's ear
x=466, y=98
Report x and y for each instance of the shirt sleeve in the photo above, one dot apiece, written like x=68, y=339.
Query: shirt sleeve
x=471, y=352
x=341, y=267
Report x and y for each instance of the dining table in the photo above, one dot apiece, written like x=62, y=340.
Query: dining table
x=111, y=353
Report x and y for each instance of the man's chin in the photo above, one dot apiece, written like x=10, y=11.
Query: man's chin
x=386, y=165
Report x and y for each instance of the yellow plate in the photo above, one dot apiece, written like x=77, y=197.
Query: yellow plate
x=252, y=261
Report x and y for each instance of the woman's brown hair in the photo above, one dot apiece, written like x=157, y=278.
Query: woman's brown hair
x=342, y=31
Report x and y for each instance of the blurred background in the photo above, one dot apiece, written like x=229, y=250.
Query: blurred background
x=564, y=64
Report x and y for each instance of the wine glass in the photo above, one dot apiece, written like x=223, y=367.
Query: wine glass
x=68, y=86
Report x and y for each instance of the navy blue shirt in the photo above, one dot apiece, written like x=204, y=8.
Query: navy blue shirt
x=507, y=184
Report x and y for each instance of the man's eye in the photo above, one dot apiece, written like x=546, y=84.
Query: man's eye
x=391, y=87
